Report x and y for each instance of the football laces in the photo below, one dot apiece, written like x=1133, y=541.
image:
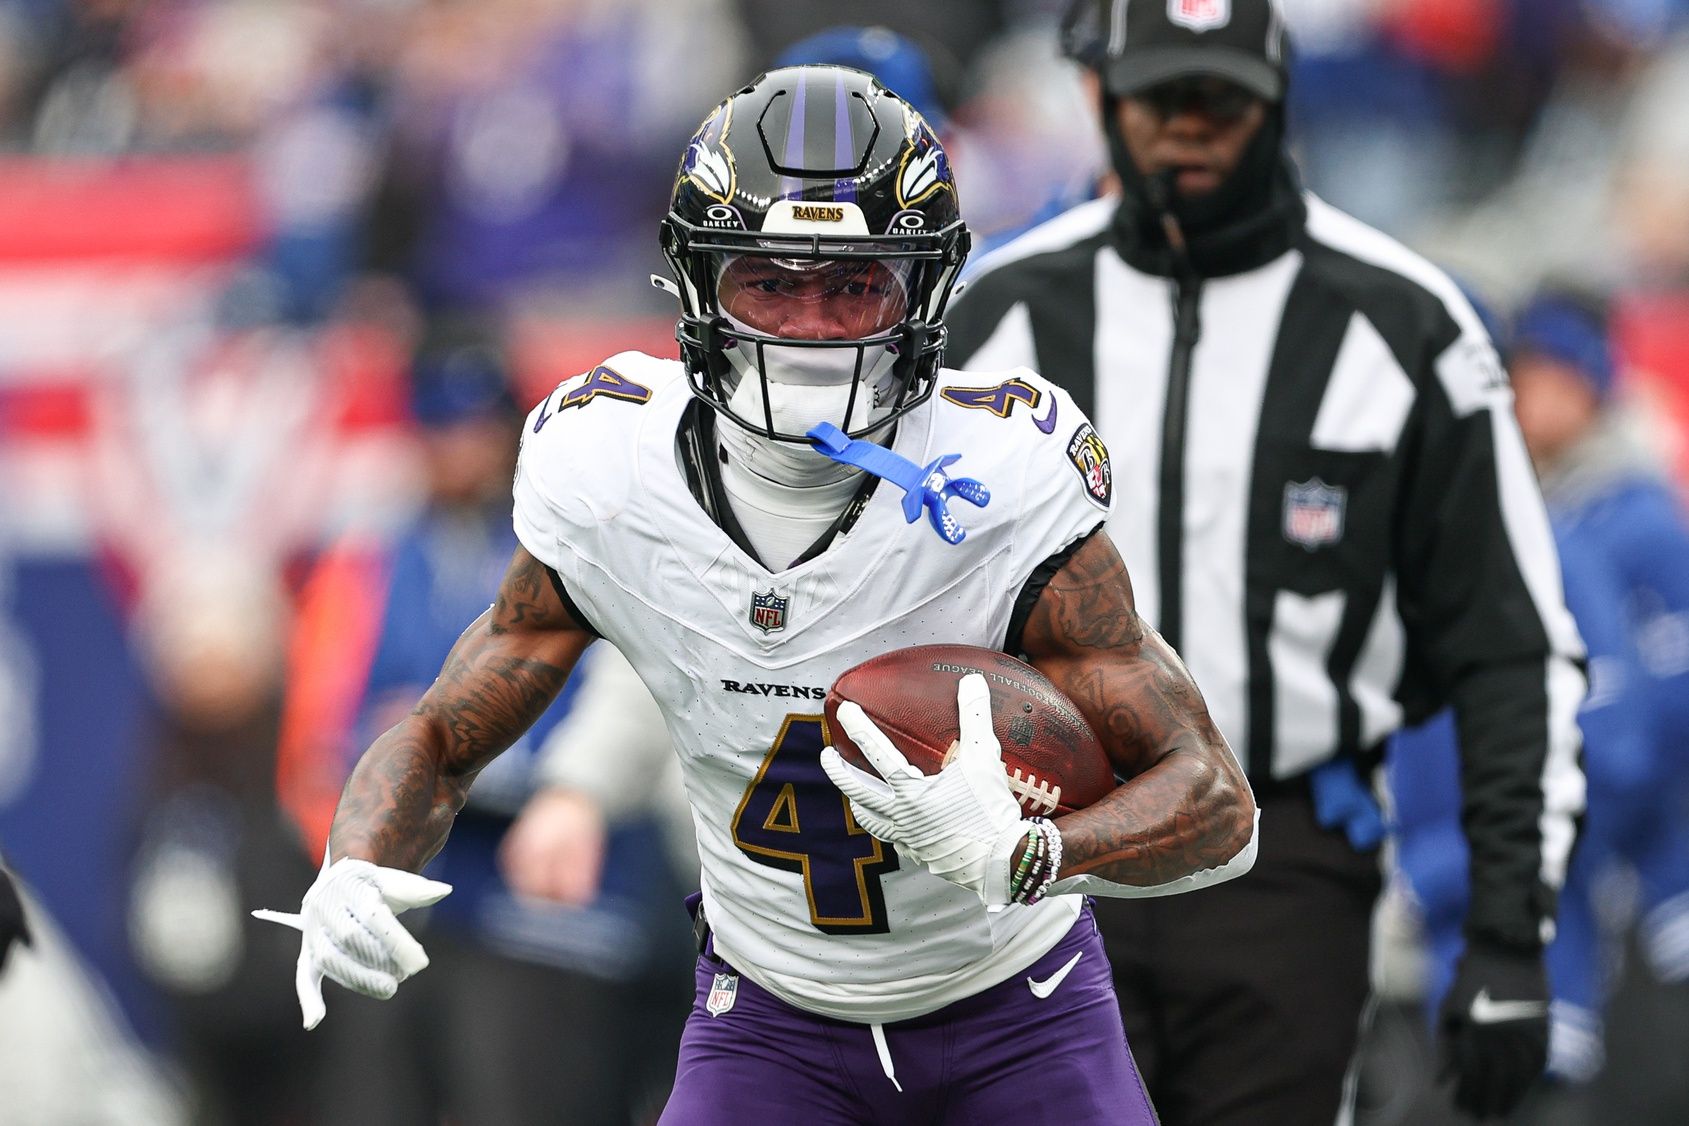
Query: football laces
x=1036, y=795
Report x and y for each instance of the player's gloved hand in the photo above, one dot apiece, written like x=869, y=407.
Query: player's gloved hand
x=962, y=823
x=1494, y=1027
x=351, y=933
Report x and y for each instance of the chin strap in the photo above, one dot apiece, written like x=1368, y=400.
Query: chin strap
x=926, y=488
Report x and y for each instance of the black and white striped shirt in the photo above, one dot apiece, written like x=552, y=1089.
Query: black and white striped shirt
x=1325, y=505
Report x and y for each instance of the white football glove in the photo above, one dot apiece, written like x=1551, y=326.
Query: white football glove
x=962, y=823
x=350, y=931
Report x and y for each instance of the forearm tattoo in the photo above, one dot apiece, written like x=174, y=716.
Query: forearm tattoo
x=1186, y=806
x=503, y=672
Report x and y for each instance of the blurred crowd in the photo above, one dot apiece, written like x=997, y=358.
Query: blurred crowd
x=277, y=278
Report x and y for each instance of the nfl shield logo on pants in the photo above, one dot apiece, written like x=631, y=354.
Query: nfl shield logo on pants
x=768, y=611
x=1313, y=513
x=723, y=992
x=1200, y=15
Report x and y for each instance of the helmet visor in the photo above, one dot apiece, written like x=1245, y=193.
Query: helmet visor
x=821, y=299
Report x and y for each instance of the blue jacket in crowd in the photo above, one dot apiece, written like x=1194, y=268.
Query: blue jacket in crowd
x=1624, y=545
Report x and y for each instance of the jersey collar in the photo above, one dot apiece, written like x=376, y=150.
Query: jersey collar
x=696, y=446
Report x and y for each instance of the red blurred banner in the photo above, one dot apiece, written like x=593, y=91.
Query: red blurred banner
x=184, y=209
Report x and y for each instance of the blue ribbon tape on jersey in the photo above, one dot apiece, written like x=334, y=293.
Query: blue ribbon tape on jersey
x=926, y=488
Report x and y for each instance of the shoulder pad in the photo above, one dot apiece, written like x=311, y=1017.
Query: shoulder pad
x=576, y=444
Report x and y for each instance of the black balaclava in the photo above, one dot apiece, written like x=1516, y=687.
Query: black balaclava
x=1254, y=216
x=1257, y=213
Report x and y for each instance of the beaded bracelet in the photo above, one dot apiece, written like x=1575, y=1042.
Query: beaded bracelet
x=1034, y=877
x=1053, y=872
x=1043, y=874
x=1038, y=861
x=1033, y=835
x=1030, y=862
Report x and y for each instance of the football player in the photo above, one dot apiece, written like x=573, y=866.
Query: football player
x=807, y=488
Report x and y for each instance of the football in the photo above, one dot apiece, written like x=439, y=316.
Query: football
x=1053, y=759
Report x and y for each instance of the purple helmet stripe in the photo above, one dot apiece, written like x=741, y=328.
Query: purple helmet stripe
x=844, y=140
x=791, y=186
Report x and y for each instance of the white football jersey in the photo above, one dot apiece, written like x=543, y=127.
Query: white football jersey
x=800, y=898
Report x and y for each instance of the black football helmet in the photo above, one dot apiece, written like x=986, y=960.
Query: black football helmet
x=814, y=182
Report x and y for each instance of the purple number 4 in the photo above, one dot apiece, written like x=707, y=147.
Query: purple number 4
x=793, y=818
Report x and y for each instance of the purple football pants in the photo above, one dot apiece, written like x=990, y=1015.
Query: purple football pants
x=1000, y=1056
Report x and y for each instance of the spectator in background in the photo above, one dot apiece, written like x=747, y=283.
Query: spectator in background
x=1608, y=492
x=1410, y=112
x=1424, y=779
x=609, y=761
x=211, y=839
x=1624, y=547
x=515, y=978
x=1326, y=510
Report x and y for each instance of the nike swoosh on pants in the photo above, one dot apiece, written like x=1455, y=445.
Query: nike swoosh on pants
x=1042, y=989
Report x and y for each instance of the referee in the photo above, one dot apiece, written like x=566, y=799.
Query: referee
x=1326, y=508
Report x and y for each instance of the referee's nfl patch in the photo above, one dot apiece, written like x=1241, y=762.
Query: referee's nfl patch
x=1313, y=513
x=1090, y=457
x=723, y=992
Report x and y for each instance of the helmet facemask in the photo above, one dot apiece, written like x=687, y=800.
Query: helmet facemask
x=812, y=340
x=789, y=336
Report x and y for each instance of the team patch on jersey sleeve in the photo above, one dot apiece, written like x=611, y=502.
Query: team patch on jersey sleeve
x=1085, y=450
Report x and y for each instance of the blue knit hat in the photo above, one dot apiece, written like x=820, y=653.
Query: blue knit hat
x=1570, y=329
x=899, y=64
x=459, y=381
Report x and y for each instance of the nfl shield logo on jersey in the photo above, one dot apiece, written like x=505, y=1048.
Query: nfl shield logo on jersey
x=768, y=611
x=1200, y=15
x=723, y=992
x=1313, y=513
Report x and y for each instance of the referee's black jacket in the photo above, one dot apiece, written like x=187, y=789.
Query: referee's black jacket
x=1325, y=505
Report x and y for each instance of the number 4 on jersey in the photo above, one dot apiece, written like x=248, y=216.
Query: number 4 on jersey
x=600, y=381
x=793, y=818
x=607, y=382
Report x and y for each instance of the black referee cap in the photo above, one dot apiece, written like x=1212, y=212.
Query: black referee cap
x=1135, y=44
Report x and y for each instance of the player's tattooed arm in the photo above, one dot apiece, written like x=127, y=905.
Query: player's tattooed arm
x=504, y=670
x=1186, y=806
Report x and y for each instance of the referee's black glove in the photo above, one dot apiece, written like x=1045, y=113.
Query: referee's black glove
x=13, y=926
x=1495, y=1027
